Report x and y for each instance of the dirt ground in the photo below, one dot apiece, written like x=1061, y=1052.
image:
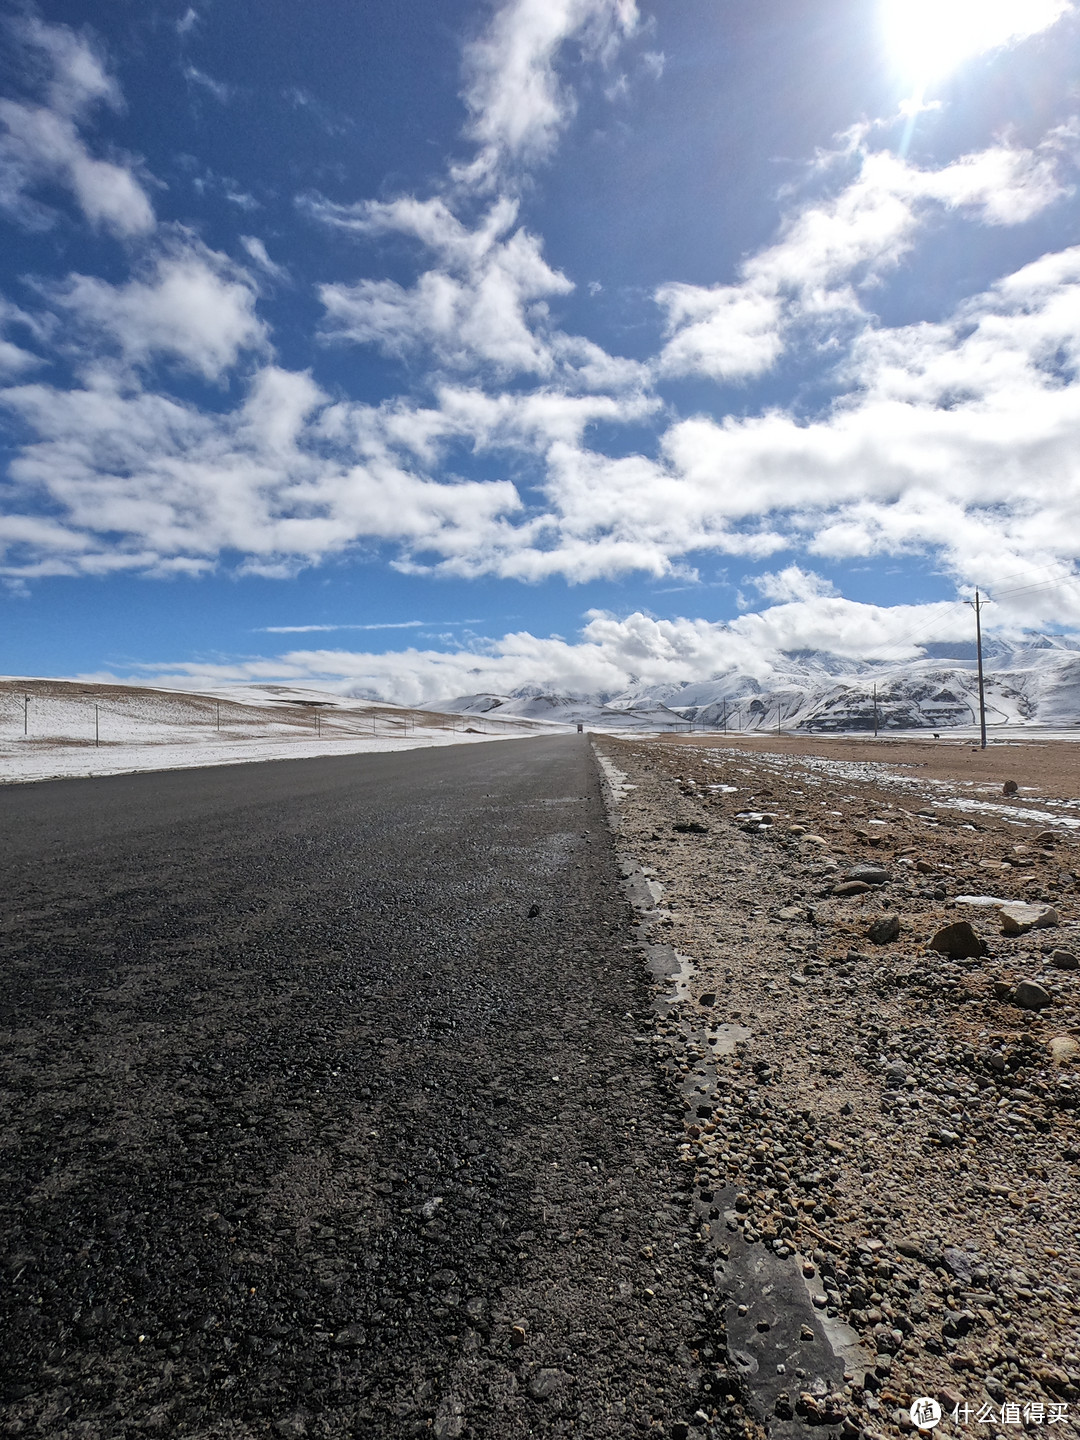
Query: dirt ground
x=894, y=1124
x=1040, y=767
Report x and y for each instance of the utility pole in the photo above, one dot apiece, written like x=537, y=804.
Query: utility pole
x=725, y=717
x=26, y=714
x=97, y=734
x=778, y=717
x=977, y=605
x=219, y=714
x=875, y=709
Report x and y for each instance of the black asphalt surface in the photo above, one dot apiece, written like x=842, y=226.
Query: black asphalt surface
x=310, y=1127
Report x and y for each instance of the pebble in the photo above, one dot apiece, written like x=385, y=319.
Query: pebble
x=1064, y=960
x=944, y=1096
x=351, y=1337
x=884, y=930
x=449, y=1420
x=1031, y=996
x=545, y=1383
x=868, y=871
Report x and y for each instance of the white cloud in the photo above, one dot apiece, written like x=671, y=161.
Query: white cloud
x=831, y=249
x=14, y=359
x=727, y=332
x=388, y=625
x=41, y=144
x=484, y=306
x=221, y=92
x=192, y=306
x=516, y=104
x=957, y=438
x=257, y=250
x=792, y=584
x=612, y=654
x=143, y=482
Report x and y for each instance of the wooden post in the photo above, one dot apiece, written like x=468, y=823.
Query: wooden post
x=977, y=605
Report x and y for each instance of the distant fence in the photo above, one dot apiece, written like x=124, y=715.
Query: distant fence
x=98, y=718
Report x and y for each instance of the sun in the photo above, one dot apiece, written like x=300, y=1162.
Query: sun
x=928, y=38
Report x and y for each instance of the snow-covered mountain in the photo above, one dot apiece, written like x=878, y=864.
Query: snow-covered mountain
x=531, y=702
x=1036, y=683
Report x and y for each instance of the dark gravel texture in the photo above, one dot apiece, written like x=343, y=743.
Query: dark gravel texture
x=303, y=1112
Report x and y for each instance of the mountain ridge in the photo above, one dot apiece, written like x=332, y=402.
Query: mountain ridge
x=1034, y=683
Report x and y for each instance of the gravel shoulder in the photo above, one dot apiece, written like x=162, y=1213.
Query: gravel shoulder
x=865, y=1116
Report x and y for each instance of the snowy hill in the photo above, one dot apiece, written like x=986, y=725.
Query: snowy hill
x=531, y=703
x=1034, y=684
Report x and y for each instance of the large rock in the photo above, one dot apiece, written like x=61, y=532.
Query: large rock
x=871, y=873
x=1030, y=996
x=959, y=941
x=1018, y=918
x=884, y=929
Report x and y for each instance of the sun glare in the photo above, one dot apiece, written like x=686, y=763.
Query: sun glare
x=928, y=38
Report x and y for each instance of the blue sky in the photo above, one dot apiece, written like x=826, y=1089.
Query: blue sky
x=434, y=348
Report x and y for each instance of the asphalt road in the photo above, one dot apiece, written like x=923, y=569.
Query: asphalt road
x=328, y=1109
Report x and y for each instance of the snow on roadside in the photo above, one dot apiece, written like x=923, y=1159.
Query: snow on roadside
x=59, y=762
x=941, y=794
x=51, y=729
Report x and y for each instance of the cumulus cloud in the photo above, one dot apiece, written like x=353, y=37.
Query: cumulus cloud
x=484, y=304
x=472, y=310
x=517, y=106
x=42, y=144
x=612, y=654
x=192, y=305
x=793, y=583
x=140, y=481
x=956, y=437
x=830, y=250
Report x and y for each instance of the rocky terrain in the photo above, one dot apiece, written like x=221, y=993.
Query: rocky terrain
x=889, y=1124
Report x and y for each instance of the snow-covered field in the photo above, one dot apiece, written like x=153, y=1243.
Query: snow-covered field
x=54, y=729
